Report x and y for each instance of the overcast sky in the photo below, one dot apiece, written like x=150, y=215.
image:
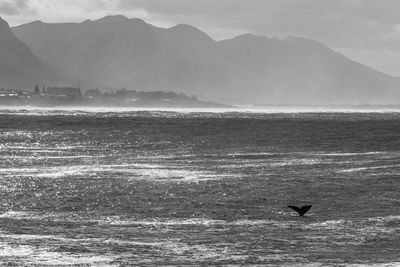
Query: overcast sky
x=367, y=31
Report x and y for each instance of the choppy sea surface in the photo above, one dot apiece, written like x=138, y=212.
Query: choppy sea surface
x=199, y=188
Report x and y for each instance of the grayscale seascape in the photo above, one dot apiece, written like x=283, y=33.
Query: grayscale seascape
x=199, y=133
x=177, y=188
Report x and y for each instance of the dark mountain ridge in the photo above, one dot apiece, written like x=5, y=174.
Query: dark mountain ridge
x=19, y=68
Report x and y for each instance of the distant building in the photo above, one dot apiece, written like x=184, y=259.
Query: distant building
x=63, y=91
x=93, y=92
x=9, y=92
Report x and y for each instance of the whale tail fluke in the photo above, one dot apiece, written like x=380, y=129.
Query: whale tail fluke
x=302, y=210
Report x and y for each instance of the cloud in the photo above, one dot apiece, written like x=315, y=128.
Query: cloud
x=13, y=7
x=339, y=23
x=326, y=20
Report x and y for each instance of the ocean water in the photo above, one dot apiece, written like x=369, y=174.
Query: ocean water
x=190, y=188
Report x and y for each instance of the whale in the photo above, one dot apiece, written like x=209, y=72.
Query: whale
x=302, y=210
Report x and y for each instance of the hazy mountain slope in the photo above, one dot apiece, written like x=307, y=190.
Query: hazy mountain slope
x=300, y=71
x=120, y=52
x=19, y=68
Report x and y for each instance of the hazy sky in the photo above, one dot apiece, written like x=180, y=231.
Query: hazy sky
x=365, y=30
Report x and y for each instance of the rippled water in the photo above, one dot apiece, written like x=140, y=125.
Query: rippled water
x=166, y=188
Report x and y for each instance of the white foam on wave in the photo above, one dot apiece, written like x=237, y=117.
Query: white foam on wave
x=248, y=154
x=25, y=255
x=361, y=221
x=360, y=227
x=322, y=234
x=18, y=214
x=184, y=222
x=294, y=162
x=350, y=154
x=157, y=222
x=36, y=158
x=360, y=169
x=385, y=219
x=194, y=253
x=155, y=247
x=195, y=222
x=25, y=237
x=330, y=223
x=389, y=264
x=354, y=231
x=120, y=220
x=131, y=171
x=47, y=216
x=48, y=149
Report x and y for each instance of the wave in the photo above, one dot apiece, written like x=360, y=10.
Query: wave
x=26, y=255
x=255, y=155
x=173, y=112
x=120, y=220
x=293, y=162
x=360, y=169
x=132, y=171
x=350, y=154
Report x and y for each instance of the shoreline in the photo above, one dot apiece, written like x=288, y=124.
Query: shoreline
x=233, y=109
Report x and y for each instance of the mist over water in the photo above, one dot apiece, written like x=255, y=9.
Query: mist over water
x=150, y=187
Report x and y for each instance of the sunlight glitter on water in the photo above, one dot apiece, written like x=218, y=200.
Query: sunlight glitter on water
x=199, y=188
x=335, y=232
x=135, y=171
x=24, y=255
x=361, y=169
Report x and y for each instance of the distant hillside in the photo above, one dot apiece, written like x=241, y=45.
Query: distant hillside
x=121, y=52
x=19, y=68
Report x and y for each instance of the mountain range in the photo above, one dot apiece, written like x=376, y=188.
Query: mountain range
x=19, y=67
x=117, y=52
